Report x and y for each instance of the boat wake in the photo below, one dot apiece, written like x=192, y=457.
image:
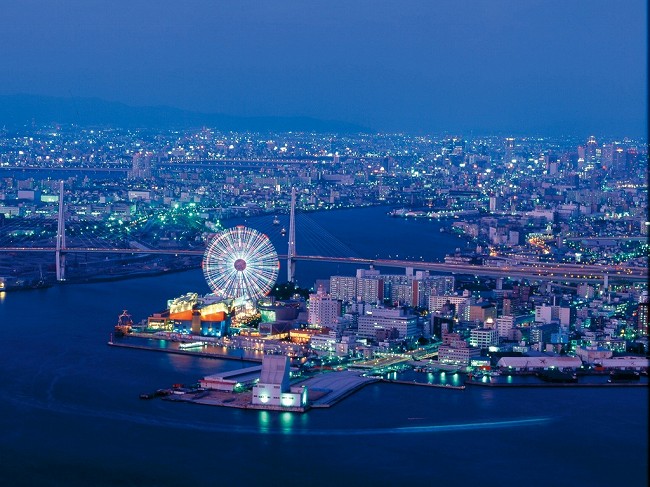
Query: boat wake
x=264, y=427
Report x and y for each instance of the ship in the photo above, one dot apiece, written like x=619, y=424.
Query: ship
x=624, y=376
x=557, y=376
x=124, y=324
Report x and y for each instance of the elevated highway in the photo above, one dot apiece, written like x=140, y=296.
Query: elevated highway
x=543, y=271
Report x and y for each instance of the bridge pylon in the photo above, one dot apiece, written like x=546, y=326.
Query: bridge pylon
x=60, y=238
x=291, y=263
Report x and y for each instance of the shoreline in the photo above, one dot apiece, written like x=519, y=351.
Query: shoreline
x=193, y=353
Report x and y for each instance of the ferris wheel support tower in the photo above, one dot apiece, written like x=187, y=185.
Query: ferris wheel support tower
x=291, y=263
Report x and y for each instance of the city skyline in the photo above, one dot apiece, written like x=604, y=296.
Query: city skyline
x=535, y=67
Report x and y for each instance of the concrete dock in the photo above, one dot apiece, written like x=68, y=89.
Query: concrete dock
x=205, y=352
x=327, y=389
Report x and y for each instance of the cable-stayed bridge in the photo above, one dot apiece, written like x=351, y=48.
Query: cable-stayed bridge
x=177, y=233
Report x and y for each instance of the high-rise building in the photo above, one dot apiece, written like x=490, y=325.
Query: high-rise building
x=140, y=165
x=425, y=286
x=643, y=316
x=507, y=306
x=370, y=289
x=548, y=314
x=504, y=324
x=509, y=153
x=461, y=304
x=343, y=288
x=323, y=310
x=619, y=159
x=590, y=153
x=607, y=155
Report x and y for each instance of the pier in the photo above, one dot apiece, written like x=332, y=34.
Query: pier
x=325, y=391
x=195, y=353
x=425, y=384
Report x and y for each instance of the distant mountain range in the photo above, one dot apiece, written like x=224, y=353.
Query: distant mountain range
x=20, y=110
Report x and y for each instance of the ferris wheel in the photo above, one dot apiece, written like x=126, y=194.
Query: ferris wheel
x=240, y=263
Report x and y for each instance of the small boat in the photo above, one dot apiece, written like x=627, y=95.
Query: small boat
x=283, y=232
x=276, y=220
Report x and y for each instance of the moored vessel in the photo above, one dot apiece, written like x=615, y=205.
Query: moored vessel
x=124, y=324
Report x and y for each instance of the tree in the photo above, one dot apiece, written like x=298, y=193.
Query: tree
x=287, y=290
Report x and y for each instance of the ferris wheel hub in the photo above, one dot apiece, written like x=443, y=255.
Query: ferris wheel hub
x=240, y=265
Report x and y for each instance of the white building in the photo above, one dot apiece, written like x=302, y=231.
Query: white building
x=323, y=310
x=228, y=381
x=593, y=354
x=457, y=353
x=387, y=319
x=483, y=337
x=343, y=288
x=370, y=289
x=547, y=314
x=538, y=363
x=462, y=304
x=425, y=286
x=504, y=324
x=273, y=388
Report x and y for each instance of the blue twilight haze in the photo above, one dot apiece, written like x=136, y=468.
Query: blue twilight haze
x=547, y=66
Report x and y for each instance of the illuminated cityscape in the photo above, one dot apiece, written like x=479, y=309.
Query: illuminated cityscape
x=341, y=243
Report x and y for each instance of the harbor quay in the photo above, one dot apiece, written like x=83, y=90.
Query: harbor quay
x=277, y=386
x=198, y=349
x=325, y=391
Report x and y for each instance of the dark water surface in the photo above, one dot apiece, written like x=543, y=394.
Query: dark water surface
x=70, y=415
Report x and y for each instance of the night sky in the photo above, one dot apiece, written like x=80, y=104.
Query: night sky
x=547, y=66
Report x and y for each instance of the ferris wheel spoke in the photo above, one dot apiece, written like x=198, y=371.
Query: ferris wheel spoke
x=240, y=263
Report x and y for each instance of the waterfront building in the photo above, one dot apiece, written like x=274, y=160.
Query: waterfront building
x=625, y=363
x=273, y=388
x=593, y=354
x=523, y=364
x=386, y=319
x=193, y=314
x=228, y=381
x=457, y=353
